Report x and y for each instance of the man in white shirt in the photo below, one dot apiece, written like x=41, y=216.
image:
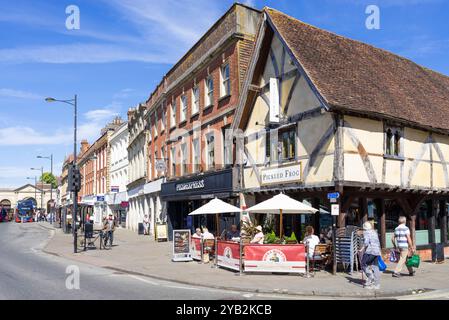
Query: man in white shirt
x=311, y=241
x=207, y=234
x=259, y=237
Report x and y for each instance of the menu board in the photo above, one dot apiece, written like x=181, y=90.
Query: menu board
x=161, y=232
x=181, y=245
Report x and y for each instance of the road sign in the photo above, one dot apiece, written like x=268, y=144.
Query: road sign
x=335, y=209
x=100, y=198
x=160, y=165
x=333, y=195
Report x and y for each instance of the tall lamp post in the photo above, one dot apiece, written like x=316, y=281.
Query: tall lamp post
x=42, y=185
x=72, y=102
x=51, y=184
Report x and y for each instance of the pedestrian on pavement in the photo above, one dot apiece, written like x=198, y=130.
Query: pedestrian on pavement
x=403, y=242
x=310, y=240
x=109, y=228
x=146, y=225
x=371, y=253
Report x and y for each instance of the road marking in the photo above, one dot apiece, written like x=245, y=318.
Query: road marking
x=186, y=288
x=140, y=279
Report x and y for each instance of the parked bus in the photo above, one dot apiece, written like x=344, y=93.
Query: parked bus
x=25, y=211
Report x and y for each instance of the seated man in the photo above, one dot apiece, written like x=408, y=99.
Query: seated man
x=258, y=237
x=207, y=234
x=234, y=233
x=146, y=225
x=197, y=233
x=311, y=241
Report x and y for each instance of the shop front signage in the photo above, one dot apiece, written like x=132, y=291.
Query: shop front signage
x=199, y=184
x=124, y=204
x=281, y=174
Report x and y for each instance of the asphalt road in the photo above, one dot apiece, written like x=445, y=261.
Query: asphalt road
x=28, y=273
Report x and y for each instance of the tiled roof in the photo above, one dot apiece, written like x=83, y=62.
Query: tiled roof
x=354, y=76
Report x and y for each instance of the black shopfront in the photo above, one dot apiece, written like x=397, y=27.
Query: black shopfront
x=182, y=196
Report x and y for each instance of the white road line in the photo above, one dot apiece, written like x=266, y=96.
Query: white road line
x=186, y=288
x=143, y=280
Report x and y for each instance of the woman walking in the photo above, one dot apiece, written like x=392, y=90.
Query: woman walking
x=371, y=253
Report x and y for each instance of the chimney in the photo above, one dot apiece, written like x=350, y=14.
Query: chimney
x=84, y=146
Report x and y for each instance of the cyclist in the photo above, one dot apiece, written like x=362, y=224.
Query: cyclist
x=109, y=228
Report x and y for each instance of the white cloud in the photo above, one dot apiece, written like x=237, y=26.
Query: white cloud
x=12, y=93
x=100, y=115
x=80, y=53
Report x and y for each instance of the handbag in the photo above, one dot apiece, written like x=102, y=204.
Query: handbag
x=381, y=264
x=413, y=261
x=393, y=255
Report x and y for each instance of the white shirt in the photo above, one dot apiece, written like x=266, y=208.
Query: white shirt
x=311, y=241
x=258, y=238
x=208, y=235
x=195, y=235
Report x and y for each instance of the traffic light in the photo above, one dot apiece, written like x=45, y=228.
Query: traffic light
x=74, y=179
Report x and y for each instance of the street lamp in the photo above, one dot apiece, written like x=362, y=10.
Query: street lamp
x=51, y=184
x=42, y=185
x=72, y=102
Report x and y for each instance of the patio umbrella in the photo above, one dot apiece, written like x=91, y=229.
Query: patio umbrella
x=215, y=206
x=282, y=204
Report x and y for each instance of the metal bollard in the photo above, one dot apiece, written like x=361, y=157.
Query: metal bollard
x=202, y=249
x=307, y=262
x=215, y=264
x=240, y=259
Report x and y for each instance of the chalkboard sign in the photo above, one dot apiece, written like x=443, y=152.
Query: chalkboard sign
x=181, y=245
x=161, y=232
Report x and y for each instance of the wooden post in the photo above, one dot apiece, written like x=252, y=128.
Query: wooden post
x=363, y=206
x=280, y=224
x=217, y=225
x=431, y=218
x=382, y=227
x=443, y=221
x=413, y=228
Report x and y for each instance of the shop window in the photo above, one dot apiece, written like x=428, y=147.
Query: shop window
x=393, y=141
x=227, y=146
x=173, y=162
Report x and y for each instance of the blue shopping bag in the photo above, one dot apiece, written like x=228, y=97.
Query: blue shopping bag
x=381, y=264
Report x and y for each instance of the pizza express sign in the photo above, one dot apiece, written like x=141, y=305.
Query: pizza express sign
x=281, y=175
x=199, y=184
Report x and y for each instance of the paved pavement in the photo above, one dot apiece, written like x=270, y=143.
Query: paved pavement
x=29, y=273
x=140, y=255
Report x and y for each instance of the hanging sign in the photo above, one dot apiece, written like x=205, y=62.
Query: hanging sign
x=335, y=210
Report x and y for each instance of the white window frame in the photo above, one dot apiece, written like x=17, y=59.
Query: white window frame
x=196, y=155
x=184, y=159
x=183, y=108
x=172, y=161
x=225, y=83
x=208, y=150
x=195, y=100
x=208, y=100
x=163, y=118
x=173, y=114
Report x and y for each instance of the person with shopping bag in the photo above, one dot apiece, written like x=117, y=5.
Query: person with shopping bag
x=370, y=259
x=403, y=242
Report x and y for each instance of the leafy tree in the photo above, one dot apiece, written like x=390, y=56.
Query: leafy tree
x=47, y=177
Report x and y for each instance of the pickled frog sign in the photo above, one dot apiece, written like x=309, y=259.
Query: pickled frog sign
x=229, y=254
x=190, y=185
x=275, y=258
x=281, y=174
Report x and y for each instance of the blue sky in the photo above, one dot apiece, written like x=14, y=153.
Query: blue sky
x=124, y=47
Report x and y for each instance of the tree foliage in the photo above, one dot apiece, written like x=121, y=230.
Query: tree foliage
x=47, y=177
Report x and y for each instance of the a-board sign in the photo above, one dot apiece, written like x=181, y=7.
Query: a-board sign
x=181, y=245
x=161, y=232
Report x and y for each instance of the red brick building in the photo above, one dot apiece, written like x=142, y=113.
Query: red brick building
x=187, y=117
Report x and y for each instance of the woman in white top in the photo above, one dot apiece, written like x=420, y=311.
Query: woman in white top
x=259, y=237
x=311, y=241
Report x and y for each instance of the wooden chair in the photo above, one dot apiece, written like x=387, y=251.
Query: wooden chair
x=320, y=257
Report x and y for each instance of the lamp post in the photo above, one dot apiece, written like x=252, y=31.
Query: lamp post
x=51, y=184
x=42, y=185
x=72, y=102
